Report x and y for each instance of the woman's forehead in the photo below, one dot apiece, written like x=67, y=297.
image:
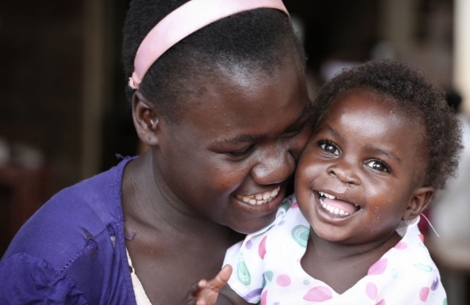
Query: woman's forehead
x=262, y=102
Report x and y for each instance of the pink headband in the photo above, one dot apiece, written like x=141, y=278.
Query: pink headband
x=185, y=20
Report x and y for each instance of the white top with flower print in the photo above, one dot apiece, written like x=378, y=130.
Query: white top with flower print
x=266, y=268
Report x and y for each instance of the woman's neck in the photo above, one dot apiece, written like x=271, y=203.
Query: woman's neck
x=172, y=247
x=147, y=204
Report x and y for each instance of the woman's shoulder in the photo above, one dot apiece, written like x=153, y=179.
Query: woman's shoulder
x=100, y=195
x=74, y=244
x=100, y=192
x=79, y=231
x=95, y=197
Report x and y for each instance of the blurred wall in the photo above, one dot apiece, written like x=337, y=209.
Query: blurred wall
x=63, y=86
x=41, y=58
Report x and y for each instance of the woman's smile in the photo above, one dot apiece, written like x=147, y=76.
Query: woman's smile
x=260, y=198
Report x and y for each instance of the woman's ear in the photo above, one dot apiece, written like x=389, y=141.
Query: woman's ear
x=146, y=120
x=419, y=201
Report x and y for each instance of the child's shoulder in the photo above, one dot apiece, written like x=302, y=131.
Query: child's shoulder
x=410, y=259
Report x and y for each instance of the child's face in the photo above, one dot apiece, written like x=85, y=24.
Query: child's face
x=230, y=154
x=368, y=155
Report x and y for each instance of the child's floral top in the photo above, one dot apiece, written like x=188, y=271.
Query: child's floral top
x=266, y=269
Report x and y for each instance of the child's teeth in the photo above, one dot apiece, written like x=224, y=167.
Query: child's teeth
x=332, y=209
x=327, y=195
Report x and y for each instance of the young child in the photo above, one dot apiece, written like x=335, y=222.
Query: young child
x=218, y=94
x=384, y=140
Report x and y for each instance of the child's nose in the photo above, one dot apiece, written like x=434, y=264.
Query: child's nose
x=274, y=166
x=345, y=172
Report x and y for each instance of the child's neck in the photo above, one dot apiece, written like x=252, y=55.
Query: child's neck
x=341, y=266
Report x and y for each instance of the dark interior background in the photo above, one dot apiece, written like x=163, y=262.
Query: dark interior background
x=63, y=113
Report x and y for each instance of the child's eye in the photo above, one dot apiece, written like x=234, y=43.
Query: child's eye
x=378, y=165
x=329, y=148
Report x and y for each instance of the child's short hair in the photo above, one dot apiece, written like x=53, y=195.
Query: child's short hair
x=421, y=101
x=258, y=40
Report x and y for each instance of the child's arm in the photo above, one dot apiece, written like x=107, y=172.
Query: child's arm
x=216, y=291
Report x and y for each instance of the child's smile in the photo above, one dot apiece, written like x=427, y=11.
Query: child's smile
x=358, y=175
x=337, y=207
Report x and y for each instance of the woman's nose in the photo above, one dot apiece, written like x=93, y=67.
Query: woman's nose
x=274, y=166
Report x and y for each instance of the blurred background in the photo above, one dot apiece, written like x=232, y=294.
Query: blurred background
x=64, y=116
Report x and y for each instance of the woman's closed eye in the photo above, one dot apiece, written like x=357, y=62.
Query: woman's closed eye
x=378, y=165
x=241, y=152
x=295, y=130
x=329, y=147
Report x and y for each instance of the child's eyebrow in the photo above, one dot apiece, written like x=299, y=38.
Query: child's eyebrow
x=330, y=129
x=387, y=153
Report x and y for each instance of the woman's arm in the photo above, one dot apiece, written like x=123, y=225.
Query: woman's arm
x=25, y=279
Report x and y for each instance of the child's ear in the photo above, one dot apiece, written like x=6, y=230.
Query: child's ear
x=418, y=202
x=146, y=119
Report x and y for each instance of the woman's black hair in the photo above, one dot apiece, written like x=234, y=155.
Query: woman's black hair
x=419, y=99
x=258, y=40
